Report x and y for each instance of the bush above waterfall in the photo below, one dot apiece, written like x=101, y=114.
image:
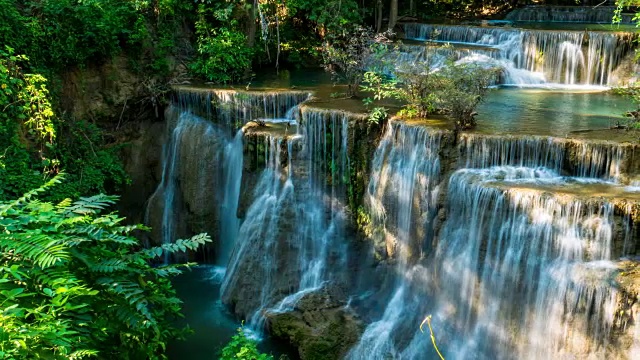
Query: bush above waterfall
x=460, y=88
x=454, y=90
x=349, y=54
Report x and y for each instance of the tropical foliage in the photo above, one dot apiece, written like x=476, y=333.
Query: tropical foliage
x=349, y=55
x=74, y=283
x=223, y=54
x=30, y=148
x=242, y=348
x=622, y=5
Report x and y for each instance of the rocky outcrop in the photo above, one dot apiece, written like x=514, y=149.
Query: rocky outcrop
x=626, y=330
x=142, y=157
x=321, y=325
x=110, y=92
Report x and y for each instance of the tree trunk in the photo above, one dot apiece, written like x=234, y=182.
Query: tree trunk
x=393, y=14
x=251, y=26
x=379, y=17
x=251, y=30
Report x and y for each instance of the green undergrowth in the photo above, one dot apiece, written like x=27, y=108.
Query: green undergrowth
x=75, y=284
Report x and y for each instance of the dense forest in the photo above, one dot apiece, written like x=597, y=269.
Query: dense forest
x=75, y=281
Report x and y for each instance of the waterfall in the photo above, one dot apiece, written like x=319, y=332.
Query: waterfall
x=401, y=198
x=526, y=271
x=535, y=57
x=294, y=228
x=235, y=107
x=522, y=266
x=325, y=135
x=229, y=221
x=189, y=157
x=203, y=163
x=481, y=151
x=167, y=185
x=600, y=160
x=268, y=218
x=603, y=160
x=435, y=56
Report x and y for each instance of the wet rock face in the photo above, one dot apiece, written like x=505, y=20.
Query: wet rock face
x=142, y=158
x=626, y=329
x=320, y=326
x=100, y=91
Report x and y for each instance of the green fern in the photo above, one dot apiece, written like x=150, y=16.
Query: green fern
x=38, y=248
x=74, y=284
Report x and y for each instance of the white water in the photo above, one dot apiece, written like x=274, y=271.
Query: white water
x=535, y=57
x=187, y=155
x=295, y=221
x=258, y=235
x=232, y=171
x=401, y=198
x=203, y=164
x=592, y=159
x=517, y=273
x=235, y=108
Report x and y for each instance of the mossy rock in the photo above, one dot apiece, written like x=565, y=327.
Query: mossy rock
x=320, y=326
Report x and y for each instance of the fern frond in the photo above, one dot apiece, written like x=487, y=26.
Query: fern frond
x=43, y=250
x=181, y=245
x=91, y=205
x=81, y=354
x=64, y=203
x=108, y=266
x=135, y=296
x=54, y=276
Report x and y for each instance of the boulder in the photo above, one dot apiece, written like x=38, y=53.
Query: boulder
x=320, y=325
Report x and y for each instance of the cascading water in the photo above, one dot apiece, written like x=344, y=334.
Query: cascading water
x=600, y=160
x=590, y=159
x=325, y=137
x=268, y=219
x=192, y=148
x=294, y=226
x=229, y=221
x=522, y=266
x=235, y=108
x=203, y=163
x=480, y=151
x=535, y=57
x=511, y=254
x=401, y=197
x=530, y=268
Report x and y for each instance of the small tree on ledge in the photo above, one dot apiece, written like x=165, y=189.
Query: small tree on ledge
x=350, y=54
